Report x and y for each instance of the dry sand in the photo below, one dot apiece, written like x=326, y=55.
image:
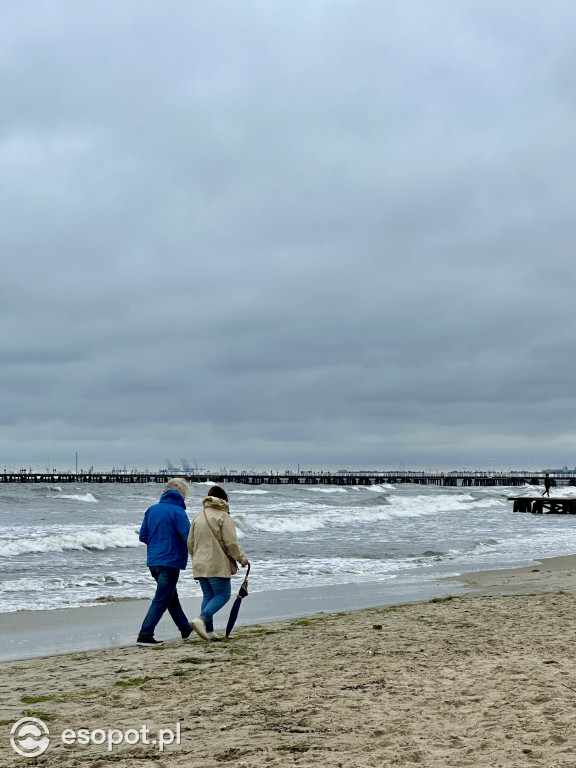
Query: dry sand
x=482, y=681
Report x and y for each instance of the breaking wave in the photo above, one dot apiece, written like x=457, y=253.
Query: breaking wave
x=255, y=492
x=85, y=580
x=378, y=508
x=327, y=490
x=106, y=537
x=248, y=523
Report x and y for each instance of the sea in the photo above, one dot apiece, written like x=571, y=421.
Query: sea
x=77, y=545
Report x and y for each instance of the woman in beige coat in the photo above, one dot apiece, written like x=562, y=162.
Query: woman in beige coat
x=211, y=542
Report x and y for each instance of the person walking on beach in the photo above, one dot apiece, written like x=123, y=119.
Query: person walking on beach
x=165, y=532
x=214, y=547
x=547, y=485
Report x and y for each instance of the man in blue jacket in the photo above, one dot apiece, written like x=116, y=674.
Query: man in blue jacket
x=165, y=532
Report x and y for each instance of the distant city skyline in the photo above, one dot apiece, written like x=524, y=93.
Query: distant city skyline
x=176, y=468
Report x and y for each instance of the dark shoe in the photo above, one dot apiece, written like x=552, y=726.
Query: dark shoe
x=145, y=641
x=186, y=633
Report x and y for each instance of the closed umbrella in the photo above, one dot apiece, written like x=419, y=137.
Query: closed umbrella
x=236, y=607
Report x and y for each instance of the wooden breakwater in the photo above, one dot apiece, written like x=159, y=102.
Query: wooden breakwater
x=545, y=505
x=468, y=480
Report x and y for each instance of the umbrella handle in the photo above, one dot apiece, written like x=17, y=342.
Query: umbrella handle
x=245, y=582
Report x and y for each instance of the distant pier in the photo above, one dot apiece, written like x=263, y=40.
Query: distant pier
x=452, y=480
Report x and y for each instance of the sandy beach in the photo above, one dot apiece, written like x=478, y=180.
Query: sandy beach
x=115, y=624
x=484, y=679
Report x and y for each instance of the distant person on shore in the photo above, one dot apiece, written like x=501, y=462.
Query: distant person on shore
x=165, y=532
x=547, y=485
x=214, y=547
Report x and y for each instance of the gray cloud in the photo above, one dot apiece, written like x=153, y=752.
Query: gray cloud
x=334, y=233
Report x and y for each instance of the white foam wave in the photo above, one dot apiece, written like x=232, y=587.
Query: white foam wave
x=277, y=524
x=350, y=566
x=79, y=497
x=392, y=507
x=424, y=504
x=488, y=503
x=327, y=490
x=255, y=492
x=108, y=537
x=58, y=583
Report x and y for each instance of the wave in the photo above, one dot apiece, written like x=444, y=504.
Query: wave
x=37, y=594
x=425, y=504
x=489, y=503
x=270, y=524
x=315, y=566
x=389, y=507
x=79, y=496
x=478, y=547
x=430, y=553
x=108, y=537
x=51, y=584
x=327, y=490
x=374, y=501
x=297, y=518
x=255, y=492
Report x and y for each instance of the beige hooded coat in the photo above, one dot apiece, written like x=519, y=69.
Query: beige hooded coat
x=208, y=559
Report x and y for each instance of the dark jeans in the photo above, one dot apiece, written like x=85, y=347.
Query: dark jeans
x=166, y=597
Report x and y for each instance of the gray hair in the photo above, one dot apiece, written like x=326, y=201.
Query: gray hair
x=178, y=484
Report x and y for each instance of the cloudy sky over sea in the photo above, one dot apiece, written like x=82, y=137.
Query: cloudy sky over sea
x=334, y=232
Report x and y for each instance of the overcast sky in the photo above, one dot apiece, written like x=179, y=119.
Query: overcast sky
x=338, y=233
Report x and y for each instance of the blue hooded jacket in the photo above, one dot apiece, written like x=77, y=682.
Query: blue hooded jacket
x=165, y=531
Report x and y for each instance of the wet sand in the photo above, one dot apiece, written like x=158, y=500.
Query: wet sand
x=480, y=680
x=546, y=574
x=116, y=624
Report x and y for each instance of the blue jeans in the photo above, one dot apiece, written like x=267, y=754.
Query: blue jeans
x=166, y=597
x=216, y=591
